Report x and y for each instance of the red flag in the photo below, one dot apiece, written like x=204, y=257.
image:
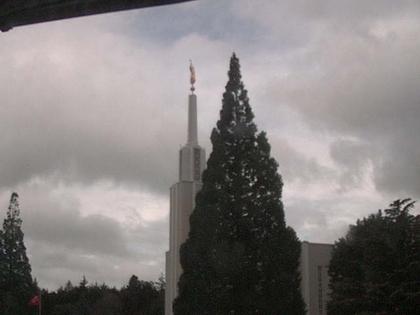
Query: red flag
x=35, y=301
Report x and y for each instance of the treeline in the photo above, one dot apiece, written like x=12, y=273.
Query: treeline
x=136, y=298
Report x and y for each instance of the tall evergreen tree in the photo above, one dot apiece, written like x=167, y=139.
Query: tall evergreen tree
x=240, y=257
x=375, y=268
x=15, y=272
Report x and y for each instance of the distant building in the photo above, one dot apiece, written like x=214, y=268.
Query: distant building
x=314, y=262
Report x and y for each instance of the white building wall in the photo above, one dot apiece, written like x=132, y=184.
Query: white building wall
x=314, y=264
x=192, y=162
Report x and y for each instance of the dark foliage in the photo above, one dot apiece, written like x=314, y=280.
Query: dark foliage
x=375, y=269
x=16, y=284
x=141, y=297
x=240, y=257
x=137, y=298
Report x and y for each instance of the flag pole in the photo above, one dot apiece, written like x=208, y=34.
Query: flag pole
x=40, y=303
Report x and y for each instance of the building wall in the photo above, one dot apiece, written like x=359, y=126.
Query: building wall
x=314, y=264
x=192, y=161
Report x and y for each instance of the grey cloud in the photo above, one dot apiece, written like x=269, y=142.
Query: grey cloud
x=80, y=127
x=307, y=217
x=53, y=266
x=364, y=85
x=51, y=222
x=76, y=111
x=397, y=171
x=214, y=19
x=294, y=165
x=81, y=111
x=62, y=244
x=280, y=16
x=353, y=158
x=150, y=242
x=327, y=219
x=49, y=256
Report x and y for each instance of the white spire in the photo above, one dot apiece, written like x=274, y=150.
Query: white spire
x=192, y=120
x=192, y=110
x=192, y=160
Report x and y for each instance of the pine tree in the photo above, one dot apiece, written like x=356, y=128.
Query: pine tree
x=140, y=297
x=15, y=271
x=240, y=257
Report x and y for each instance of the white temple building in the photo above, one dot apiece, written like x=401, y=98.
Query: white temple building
x=192, y=161
x=314, y=263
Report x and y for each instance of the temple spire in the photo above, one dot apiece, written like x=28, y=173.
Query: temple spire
x=192, y=110
x=192, y=161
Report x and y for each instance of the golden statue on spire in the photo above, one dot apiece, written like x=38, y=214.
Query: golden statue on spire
x=192, y=76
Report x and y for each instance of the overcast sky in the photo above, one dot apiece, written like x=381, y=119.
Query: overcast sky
x=93, y=111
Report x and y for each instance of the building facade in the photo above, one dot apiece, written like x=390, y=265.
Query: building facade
x=192, y=159
x=314, y=262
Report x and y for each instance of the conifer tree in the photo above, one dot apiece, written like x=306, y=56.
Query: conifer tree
x=15, y=271
x=240, y=257
x=375, y=268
